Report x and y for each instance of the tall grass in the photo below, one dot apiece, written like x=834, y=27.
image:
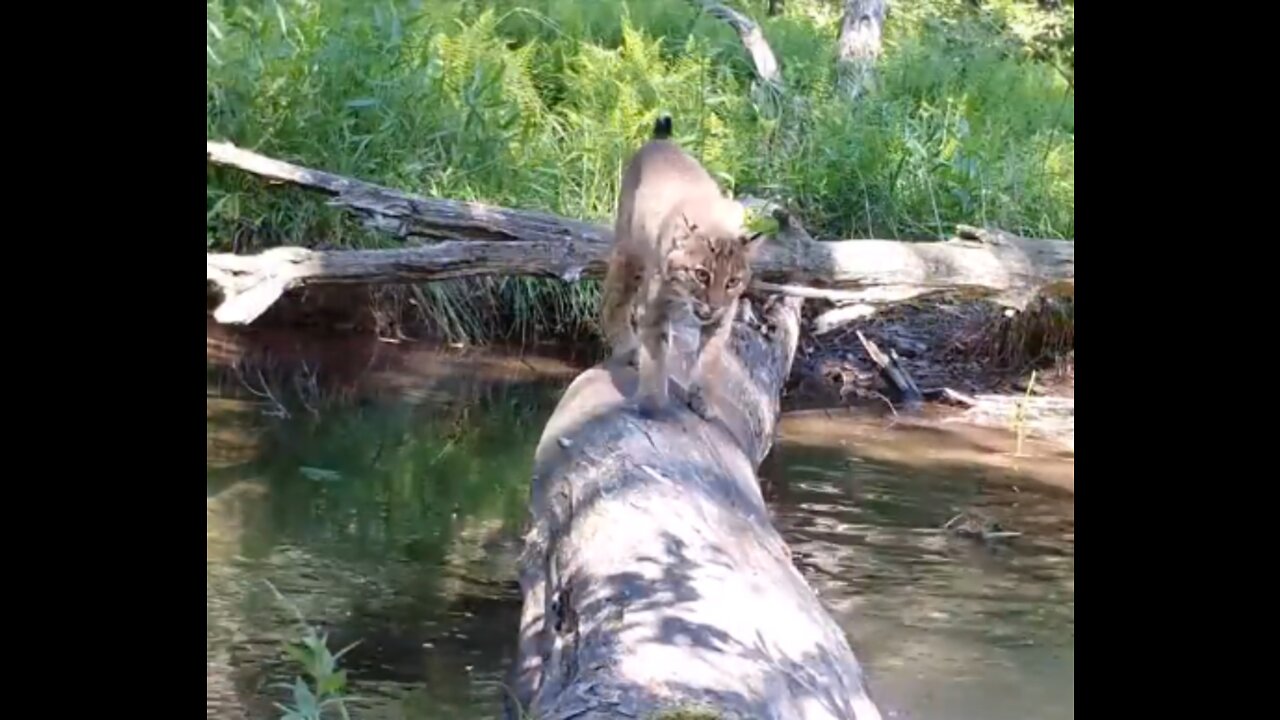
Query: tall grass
x=537, y=104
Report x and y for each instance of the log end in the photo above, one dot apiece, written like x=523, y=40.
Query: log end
x=243, y=307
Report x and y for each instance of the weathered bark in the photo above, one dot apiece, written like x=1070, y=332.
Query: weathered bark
x=858, y=45
x=762, y=58
x=652, y=576
x=483, y=239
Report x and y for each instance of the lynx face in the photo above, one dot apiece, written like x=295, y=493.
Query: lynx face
x=709, y=267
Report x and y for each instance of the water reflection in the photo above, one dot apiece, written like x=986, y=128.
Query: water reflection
x=949, y=627
x=391, y=515
x=386, y=521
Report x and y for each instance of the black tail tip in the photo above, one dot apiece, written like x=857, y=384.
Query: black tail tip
x=662, y=128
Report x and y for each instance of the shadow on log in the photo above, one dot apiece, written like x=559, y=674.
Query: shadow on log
x=653, y=578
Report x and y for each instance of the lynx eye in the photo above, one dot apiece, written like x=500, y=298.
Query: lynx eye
x=703, y=276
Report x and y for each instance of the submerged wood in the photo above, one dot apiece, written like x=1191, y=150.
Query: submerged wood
x=652, y=576
x=451, y=239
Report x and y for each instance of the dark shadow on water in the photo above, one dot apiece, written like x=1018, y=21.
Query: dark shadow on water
x=385, y=518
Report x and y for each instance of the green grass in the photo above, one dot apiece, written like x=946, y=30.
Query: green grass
x=537, y=105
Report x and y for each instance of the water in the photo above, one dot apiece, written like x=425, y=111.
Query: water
x=381, y=490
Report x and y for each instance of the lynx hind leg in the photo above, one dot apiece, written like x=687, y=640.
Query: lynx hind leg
x=652, y=391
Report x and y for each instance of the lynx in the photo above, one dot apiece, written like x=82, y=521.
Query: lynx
x=680, y=245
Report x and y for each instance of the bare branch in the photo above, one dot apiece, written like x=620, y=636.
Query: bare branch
x=762, y=58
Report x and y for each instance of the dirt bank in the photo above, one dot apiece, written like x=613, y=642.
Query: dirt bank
x=946, y=341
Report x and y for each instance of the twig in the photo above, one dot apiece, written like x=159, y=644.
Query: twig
x=887, y=401
x=278, y=408
x=946, y=393
x=307, y=385
x=1020, y=417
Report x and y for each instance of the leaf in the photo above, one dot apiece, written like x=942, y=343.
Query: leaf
x=320, y=474
x=344, y=650
x=289, y=713
x=758, y=223
x=361, y=103
x=299, y=653
x=304, y=701
x=284, y=26
x=333, y=684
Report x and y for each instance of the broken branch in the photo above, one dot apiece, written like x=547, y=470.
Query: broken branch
x=892, y=371
x=763, y=60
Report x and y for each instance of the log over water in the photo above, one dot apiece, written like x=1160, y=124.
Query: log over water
x=653, y=578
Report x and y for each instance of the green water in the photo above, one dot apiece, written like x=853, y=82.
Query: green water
x=391, y=517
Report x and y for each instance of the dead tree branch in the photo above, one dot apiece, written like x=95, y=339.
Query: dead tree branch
x=763, y=60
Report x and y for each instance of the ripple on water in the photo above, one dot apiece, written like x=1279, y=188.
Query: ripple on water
x=947, y=627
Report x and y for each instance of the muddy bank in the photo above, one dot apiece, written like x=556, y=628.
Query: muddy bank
x=945, y=341
x=368, y=335
x=287, y=372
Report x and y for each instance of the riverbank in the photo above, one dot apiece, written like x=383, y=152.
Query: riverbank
x=949, y=341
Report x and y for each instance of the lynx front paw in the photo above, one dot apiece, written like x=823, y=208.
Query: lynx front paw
x=652, y=407
x=696, y=399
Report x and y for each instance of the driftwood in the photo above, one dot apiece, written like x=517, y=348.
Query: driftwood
x=473, y=239
x=949, y=396
x=1050, y=418
x=653, y=579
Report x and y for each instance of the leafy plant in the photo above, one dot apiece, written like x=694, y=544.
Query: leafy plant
x=327, y=686
x=536, y=104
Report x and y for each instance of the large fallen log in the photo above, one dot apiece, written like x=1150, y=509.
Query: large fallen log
x=476, y=239
x=653, y=579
